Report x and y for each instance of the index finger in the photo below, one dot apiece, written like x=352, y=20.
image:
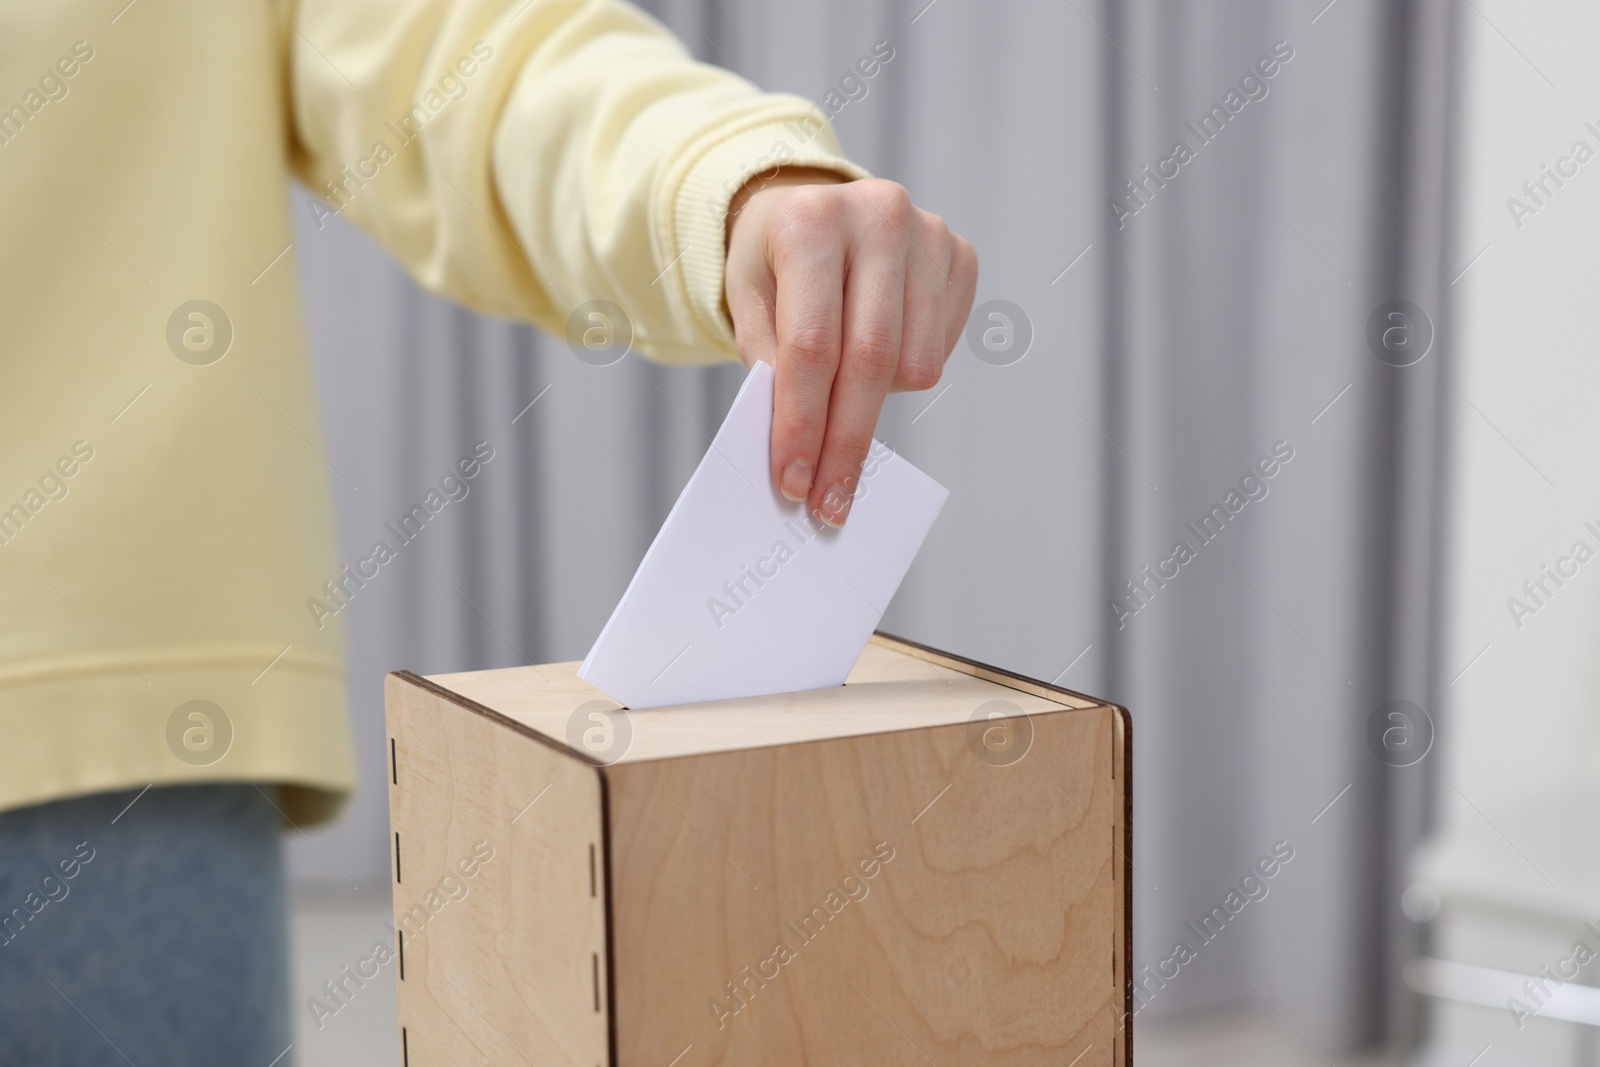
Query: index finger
x=809, y=308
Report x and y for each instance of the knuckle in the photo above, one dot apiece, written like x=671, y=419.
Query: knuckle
x=921, y=373
x=891, y=199
x=875, y=352
x=805, y=210
x=812, y=347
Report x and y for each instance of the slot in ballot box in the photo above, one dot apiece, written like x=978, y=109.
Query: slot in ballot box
x=928, y=864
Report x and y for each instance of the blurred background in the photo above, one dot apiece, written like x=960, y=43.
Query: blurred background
x=1359, y=267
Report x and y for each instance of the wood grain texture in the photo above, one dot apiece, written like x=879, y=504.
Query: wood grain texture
x=506, y=970
x=1065, y=697
x=890, y=688
x=998, y=933
x=991, y=937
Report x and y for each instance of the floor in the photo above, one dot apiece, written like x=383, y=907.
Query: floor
x=1238, y=1041
x=333, y=931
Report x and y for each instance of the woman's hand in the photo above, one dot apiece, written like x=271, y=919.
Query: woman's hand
x=850, y=293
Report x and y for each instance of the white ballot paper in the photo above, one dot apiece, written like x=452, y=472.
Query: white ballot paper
x=744, y=593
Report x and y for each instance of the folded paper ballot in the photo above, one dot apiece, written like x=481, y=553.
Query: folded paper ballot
x=744, y=593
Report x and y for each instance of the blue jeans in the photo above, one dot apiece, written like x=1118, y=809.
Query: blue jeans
x=154, y=934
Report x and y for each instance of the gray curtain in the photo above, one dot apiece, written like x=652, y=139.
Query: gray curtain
x=1238, y=306
x=1172, y=349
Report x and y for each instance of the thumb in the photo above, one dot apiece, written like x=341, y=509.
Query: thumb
x=752, y=304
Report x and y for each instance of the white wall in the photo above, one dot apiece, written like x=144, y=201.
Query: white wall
x=1526, y=415
x=1518, y=836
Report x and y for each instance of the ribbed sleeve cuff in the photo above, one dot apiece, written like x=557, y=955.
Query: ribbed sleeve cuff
x=793, y=133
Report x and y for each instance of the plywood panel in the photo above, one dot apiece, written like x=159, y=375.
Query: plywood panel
x=992, y=936
x=998, y=933
x=892, y=687
x=508, y=964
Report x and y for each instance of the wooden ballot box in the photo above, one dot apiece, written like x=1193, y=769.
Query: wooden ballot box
x=926, y=865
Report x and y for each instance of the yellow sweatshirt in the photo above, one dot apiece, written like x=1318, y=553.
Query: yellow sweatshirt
x=164, y=507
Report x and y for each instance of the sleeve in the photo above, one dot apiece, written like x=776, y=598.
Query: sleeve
x=528, y=156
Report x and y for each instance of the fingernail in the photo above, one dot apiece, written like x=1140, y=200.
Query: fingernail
x=796, y=481
x=835, y=506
